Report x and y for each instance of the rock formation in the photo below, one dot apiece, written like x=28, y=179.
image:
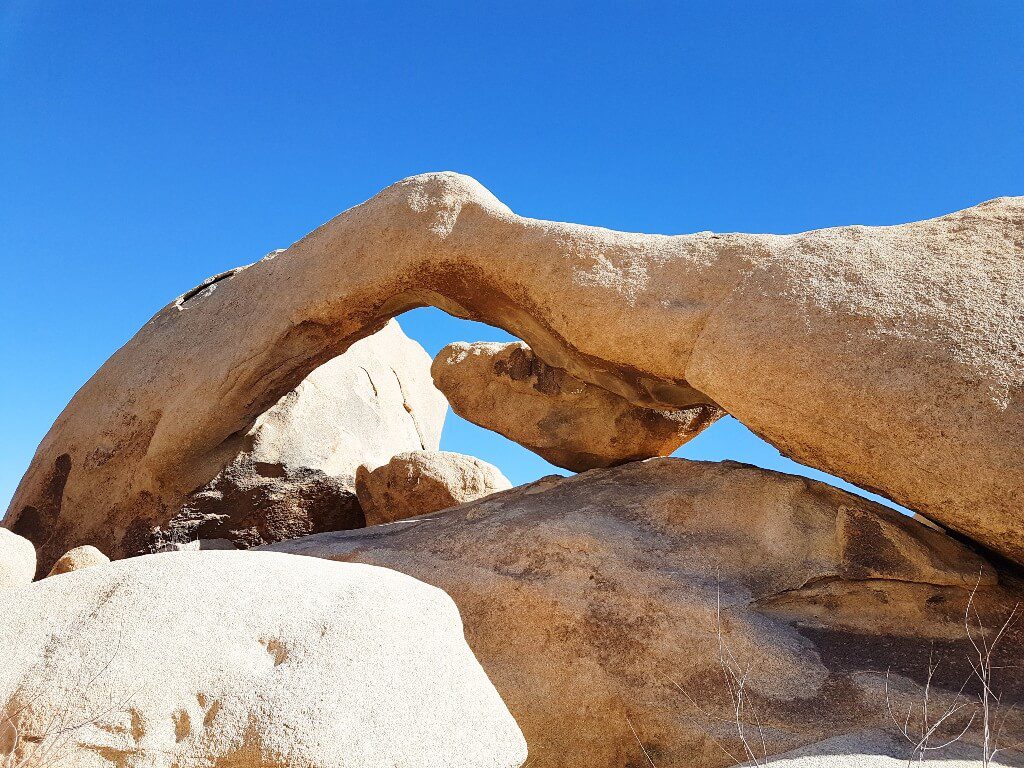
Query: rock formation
x=420, y=482
x=294, y=473
x=85, y=556
x=605, y=603
x=890, y=356
x=245, y=660
x=17, y=559
x=572, y=424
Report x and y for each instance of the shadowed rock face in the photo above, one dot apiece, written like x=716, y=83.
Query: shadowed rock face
x=594, y=604
x=572, y=424
x=890, y=356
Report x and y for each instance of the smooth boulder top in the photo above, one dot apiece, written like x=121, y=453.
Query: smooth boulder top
x=247, y=660
x=420, y=482
x=570, y=423
x=17, y=559
x=594, y=602
x=890, y=356
x=85, y=556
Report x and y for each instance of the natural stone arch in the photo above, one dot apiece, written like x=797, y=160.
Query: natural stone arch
x=890, y=356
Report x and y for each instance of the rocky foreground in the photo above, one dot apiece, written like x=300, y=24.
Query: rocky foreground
x=301, y=577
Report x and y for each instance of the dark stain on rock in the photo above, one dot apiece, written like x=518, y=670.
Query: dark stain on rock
x=521, y=364
x=255, y=503
x=37, y=522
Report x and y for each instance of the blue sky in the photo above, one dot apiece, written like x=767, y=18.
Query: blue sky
x=145, y=146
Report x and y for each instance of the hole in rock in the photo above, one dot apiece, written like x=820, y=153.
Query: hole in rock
x=726, y=439
x=729, y=439
x=435, y=329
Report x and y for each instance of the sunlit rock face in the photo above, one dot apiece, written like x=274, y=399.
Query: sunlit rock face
x=420, y=482
x=892, y=357
x=243, y=660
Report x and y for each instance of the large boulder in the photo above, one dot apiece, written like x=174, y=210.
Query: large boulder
x=17, y=559
x=421, y=482
x=572, y=424
x=890, y=356
x=611, y=609
x=245, y=660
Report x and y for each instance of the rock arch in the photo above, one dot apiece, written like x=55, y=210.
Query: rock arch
x=890, y=356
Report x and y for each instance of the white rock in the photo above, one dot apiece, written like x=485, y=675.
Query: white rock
x=17, y=559
x=247, y=660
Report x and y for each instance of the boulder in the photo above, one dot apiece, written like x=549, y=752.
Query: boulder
x=890, y=356
x=508, y=389
x=421, y=482
x=17, y=559
x=610, y=609
x=85, y=556
x=245, y=660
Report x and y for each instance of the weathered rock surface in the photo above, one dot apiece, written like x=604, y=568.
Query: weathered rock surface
x=197, y=545
x=17, y=559
x=246, y=660
x=508, y=389
x=593, y=604
x=421, y=482
x=890, y=356
x=85, y=556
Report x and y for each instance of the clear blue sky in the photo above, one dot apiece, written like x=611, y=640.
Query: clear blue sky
x=145, y=146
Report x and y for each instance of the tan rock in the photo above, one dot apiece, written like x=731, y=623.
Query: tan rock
x=85, y=556
x=572, y=424
x=17, y=559
x=421, y=482
x=890, y=356
x=593, y=604
x=246, y=660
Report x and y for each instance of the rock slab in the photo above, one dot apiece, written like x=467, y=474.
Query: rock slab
x=599, y=604
x=570, y=423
